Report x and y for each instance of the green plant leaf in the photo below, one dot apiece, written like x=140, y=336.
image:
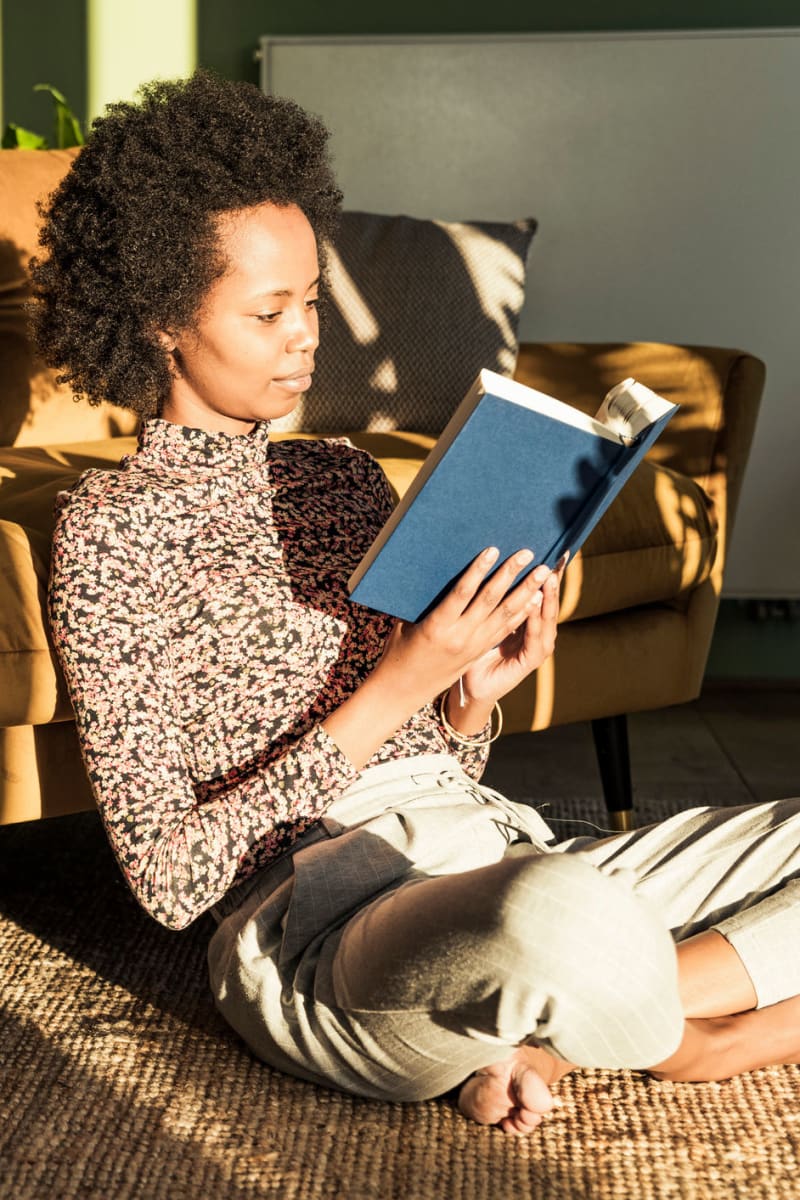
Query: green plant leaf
x=17, y=138
x=68, y=130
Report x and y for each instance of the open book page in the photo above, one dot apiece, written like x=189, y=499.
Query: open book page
x=629, y=408
x=528, y=397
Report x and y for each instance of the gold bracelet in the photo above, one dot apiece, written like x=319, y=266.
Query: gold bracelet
x=461, y=738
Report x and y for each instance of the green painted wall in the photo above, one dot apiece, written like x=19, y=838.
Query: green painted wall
x=228, y=32
x=748, y=649
x=44, y=41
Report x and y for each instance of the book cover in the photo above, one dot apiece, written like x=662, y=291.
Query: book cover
x=514, y=468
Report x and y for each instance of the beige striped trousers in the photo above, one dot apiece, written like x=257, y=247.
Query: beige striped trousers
x=427, y=926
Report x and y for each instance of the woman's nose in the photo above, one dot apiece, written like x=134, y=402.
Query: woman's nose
x=304, y=334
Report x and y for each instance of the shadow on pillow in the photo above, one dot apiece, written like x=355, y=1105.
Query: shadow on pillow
x=415, y=309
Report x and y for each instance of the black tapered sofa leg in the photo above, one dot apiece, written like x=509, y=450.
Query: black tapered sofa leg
x=613, y=758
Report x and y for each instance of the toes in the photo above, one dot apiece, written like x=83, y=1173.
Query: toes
x=532, y=1092
x=521, y=1122
x=484, y=1099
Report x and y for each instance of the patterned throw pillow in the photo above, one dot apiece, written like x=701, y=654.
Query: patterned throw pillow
x=416, y=308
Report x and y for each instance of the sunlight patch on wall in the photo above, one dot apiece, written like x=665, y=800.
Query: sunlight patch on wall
x=130, y=44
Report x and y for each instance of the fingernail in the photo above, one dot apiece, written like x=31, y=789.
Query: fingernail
x=540, y=574
x=562, y=562
x=535, y=600
x=524, y=557
x=490, y=554
x=552, y=583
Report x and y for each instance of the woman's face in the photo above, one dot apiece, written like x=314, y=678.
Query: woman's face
x=251, y=353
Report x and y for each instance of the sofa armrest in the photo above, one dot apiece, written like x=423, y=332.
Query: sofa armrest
x=718, y=391
x=32, y=690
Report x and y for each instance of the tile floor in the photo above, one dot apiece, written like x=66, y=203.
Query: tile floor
x=732, y=746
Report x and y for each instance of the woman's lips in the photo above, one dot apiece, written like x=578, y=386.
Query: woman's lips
x=295, y=383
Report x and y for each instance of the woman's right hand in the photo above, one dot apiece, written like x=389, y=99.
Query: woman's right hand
x=426, y=658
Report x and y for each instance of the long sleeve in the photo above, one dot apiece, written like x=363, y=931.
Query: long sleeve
x=180, y=845
x=199, y=609
x=200, y=615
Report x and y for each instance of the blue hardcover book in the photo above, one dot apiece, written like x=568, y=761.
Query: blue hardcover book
x=514, y=468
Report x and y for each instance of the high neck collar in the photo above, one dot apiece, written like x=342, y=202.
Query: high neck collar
x=179, y=446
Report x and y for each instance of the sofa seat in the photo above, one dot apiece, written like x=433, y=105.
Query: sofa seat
x=656, y=544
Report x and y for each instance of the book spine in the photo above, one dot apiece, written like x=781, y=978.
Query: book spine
x=595, y=504
x=626, y=462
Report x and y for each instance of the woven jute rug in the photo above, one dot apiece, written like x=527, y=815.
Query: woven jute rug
x=118, y=1080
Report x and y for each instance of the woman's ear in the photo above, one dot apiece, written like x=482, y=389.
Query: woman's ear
x=169, y=343
x=168, y=340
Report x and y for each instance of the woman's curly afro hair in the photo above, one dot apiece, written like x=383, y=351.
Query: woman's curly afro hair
x=129, y=235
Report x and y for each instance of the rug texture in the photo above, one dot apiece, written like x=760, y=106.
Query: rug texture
x=118, y=1080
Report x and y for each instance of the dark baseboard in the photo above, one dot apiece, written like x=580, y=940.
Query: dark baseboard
x=756, y=642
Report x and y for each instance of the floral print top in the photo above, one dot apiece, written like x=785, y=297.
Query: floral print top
x=199, y=610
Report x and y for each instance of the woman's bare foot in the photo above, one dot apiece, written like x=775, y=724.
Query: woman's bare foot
x=514, y=1094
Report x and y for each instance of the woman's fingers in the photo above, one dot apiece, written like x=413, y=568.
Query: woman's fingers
x=513, y=608
x=550, y=598
x=481, y=596
x=475, y=596
x=541, y=627
x=464, y=590
x=480, y=613
x=497, y=594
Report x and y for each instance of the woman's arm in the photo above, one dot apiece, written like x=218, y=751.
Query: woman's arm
x=180, y=846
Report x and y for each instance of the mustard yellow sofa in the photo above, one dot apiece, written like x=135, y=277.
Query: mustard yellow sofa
x=639, y=602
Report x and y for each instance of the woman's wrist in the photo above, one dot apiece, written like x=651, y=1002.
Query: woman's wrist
x=483, y=738
x=465, y=714
x=378, y=707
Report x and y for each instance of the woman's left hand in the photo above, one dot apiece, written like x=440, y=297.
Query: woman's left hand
x=498, y=671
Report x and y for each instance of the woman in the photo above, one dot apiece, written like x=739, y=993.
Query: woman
x=304, y=768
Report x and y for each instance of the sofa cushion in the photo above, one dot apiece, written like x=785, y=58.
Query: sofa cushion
x=35, y=408
x=654, y=545
x=416, y=308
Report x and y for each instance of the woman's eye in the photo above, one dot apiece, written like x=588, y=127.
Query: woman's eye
x=312, y=303
x=267, y=318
